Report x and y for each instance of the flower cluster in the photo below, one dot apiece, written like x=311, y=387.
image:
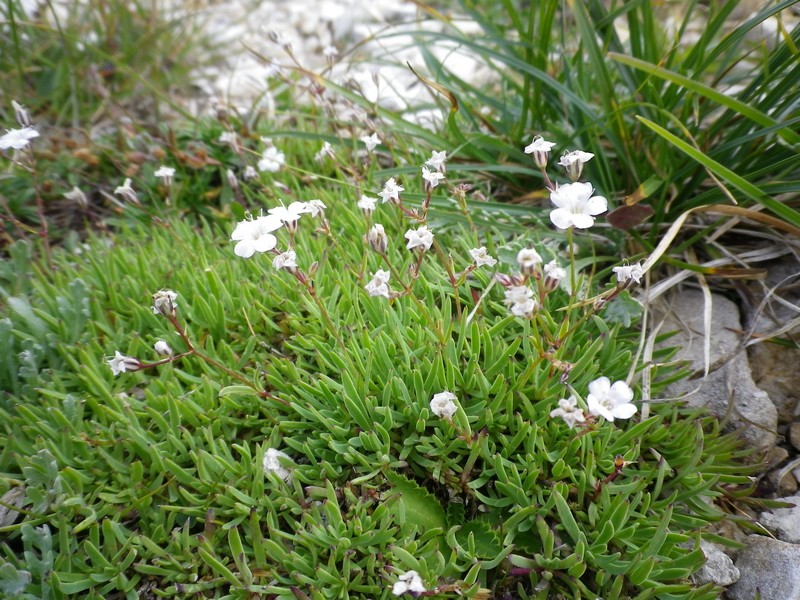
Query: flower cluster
x=604, y=400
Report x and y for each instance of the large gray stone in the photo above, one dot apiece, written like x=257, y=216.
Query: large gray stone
x=767, y=567
x=784, y=522
x=728, y=392
x=719, y=568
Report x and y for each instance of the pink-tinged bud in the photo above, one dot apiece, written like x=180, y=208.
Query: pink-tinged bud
x=164, y=303
x=162, y=348
x=377, y=238
x=21, y=114
x=528, y=260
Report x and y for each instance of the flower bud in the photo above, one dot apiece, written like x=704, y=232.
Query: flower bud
x=21, y=114
x=378, y=239
x=162, y=348
x=553, y=274
x=528, y=260
x=164, y=302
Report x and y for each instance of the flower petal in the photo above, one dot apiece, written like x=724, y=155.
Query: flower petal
x=600, y=387
x=245, y=249
x=561, y=218
x=582, y=221
x=624, y=411
x=596, y=205
x=265, y=243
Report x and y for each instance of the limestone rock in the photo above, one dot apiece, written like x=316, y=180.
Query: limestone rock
x=769, y=570
x=728, y=392
x=784, y=522
x=719, y=568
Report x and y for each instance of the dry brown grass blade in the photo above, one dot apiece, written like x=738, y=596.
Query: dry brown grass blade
x=753, y=215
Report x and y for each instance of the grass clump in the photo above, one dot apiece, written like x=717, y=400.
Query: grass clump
x=360, y=419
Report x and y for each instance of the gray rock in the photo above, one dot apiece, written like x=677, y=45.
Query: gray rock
x=784, y=522
x=775, y=366
x=769, y=568
x=728, y=392
x=794, y=435
x=719, y=568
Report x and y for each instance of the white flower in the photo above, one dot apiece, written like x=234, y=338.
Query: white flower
x=628, y=273
x=161, y=347
x=315, y=207
x=481, y=257
x=421, y=238
x=575, y=205
x=370, y=141
x=126, y=191
x=290, y=214
x=408, y=582
x=228, y=137
x=330, y=53
x=286, y=260
x=367, y=205
x=573, y=163
x=610, y=401
x=17, y=138
x=164, y=302
x=540, y=148
x=391, y=191
x=164, y=172
x=249, y=173
x=524, y=309
x=272, y=160
x=553, y=274
x=272, y=463
x=379, y=285
x=325, y=151
x=432, y=178
x=123, y=364
x=255, y=235
x=518, y=294
x=437, y=161
x=443, y=405
x=569, y=411
x=528, y=260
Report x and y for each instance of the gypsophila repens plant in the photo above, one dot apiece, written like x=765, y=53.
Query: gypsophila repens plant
x=437, y=420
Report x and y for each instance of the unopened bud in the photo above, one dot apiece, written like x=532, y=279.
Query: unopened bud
x=23, y=118
x=378, y=239
x=528, y=260
x=78, y=197
x=164, y=302
x=232, y=180
x=161, y=347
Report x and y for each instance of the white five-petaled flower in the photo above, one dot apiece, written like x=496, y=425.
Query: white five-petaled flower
x=290, y=214
x=367, y=205
x=379, y=284
x=528, y=260
x=575, y=205
x=286, y=260
x=272, y=463
x=17, y=138
x=371, y=141
x=482, y=257
x=408, y=582
x=520, y=299
x=164, y=302
x=610, y=401
x=569, y=411
x=540, y=148
x=315, y=207
x=126, y=191
x=573, y=163
x=421, y=238
x=255, y=235
x=391, y=191
x=437, y=161
x=626, y=274
x=161, y=347
x=432, y=178
x=123, y=364
x=443, y=405
x=271, y=160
